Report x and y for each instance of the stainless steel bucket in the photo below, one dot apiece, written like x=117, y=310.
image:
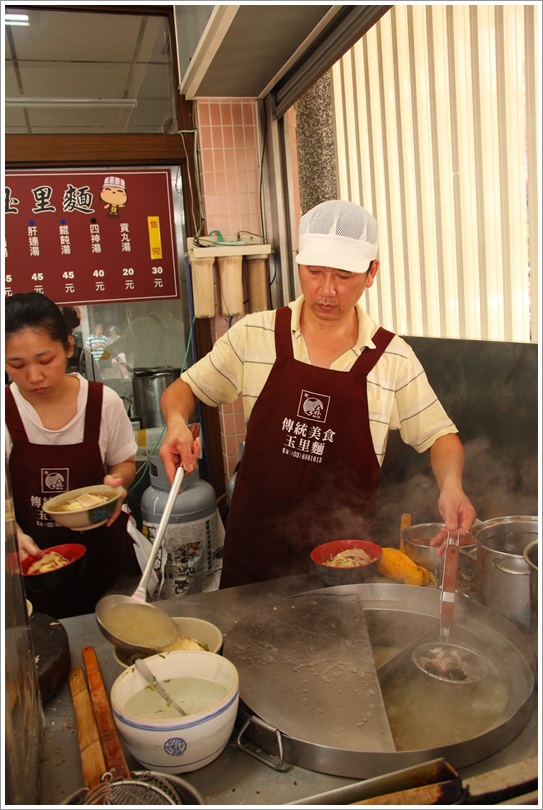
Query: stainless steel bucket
x=502, y=571
x=531, y=556
x=149, y=384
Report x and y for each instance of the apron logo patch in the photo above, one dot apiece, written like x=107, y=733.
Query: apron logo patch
x=55, y=480
x=313, y=406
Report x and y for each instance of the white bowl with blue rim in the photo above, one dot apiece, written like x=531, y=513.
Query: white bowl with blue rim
x=204, y=684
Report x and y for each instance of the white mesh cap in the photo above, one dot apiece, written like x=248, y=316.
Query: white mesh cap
x=338, y=234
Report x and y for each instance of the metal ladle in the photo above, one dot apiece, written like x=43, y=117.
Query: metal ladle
x=472, y=667
x=106, y=606
x=151, y=679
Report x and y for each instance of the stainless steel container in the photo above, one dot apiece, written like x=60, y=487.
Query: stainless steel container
x=149, y=384
x=503, y=574
x=414, y=541
x=531, y=553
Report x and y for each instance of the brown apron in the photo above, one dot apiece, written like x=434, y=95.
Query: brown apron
x=309, y=472
x=39, y=472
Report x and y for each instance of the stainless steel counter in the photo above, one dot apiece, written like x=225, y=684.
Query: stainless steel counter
x=235, y=778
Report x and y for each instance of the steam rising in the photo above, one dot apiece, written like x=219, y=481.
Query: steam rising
x=498, y=481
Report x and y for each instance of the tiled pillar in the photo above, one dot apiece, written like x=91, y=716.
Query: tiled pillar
x=229, y=159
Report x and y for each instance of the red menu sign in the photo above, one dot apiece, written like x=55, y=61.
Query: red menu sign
x=91, y=236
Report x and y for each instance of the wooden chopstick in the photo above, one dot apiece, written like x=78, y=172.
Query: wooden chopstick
x=113, y=753
x=405, y=521
x=92, y=758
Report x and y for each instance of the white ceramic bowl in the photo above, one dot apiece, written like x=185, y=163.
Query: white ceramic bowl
x=180, y=744
x=206, y=633
x=84, y=519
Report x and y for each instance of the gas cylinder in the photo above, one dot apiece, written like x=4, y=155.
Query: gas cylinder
x=190, y=558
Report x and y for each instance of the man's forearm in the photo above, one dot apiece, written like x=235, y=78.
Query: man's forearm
x=178, y=400
x=447, y=459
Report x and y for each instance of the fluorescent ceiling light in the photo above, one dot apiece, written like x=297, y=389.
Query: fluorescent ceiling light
x=22, y=101
x=17, y=19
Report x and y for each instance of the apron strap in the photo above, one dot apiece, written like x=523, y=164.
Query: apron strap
x=93, y=413
x=13, y=419
x=283, y=340
x=369, y=357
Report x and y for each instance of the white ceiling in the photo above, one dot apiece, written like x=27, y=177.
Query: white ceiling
x=81, y=72
x=243, y=51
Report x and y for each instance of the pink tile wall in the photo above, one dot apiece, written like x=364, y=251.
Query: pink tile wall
x=229, y=156
x=229, y=160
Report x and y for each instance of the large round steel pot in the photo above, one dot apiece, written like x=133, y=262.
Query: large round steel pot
x=531, y=553
x=313, y=694
x=502, y=571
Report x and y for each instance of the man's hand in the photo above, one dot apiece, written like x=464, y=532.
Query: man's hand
x=458, y=516
x=181, y=447
x=447, y=459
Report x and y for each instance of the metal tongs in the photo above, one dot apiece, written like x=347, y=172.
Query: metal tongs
x=448, y=584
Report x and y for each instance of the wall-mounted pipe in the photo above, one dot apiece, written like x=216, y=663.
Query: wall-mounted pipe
x=258, y=283
x=203, y=286
x=230, y=278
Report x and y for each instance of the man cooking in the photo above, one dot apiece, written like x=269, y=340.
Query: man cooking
x=322, y=385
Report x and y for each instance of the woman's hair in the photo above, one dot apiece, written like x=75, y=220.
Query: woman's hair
x=71, y=317
x=35, y=311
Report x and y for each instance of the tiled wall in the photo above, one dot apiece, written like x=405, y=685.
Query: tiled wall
x=229, y=162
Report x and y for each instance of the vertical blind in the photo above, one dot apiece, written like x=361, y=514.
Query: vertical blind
x=437, y=135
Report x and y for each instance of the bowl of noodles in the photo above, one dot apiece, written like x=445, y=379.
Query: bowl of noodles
x=346, y=562
x=84, y=508
x=59, y=566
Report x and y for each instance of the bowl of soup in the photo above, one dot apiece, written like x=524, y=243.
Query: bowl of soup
x=84, y=508
x=204, y=684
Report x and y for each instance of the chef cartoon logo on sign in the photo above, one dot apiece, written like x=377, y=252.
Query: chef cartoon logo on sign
x=114, y=195
x=304, y=440
x=55, y=480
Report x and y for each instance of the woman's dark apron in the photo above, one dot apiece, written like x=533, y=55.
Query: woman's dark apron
x=309, y=472
x=39, y=472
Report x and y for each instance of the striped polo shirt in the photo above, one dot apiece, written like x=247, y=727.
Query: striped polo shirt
x=399, y=394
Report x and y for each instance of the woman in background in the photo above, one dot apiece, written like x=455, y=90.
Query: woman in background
x=63, y=432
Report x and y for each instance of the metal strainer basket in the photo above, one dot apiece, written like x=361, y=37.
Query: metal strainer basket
x=140, y=789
